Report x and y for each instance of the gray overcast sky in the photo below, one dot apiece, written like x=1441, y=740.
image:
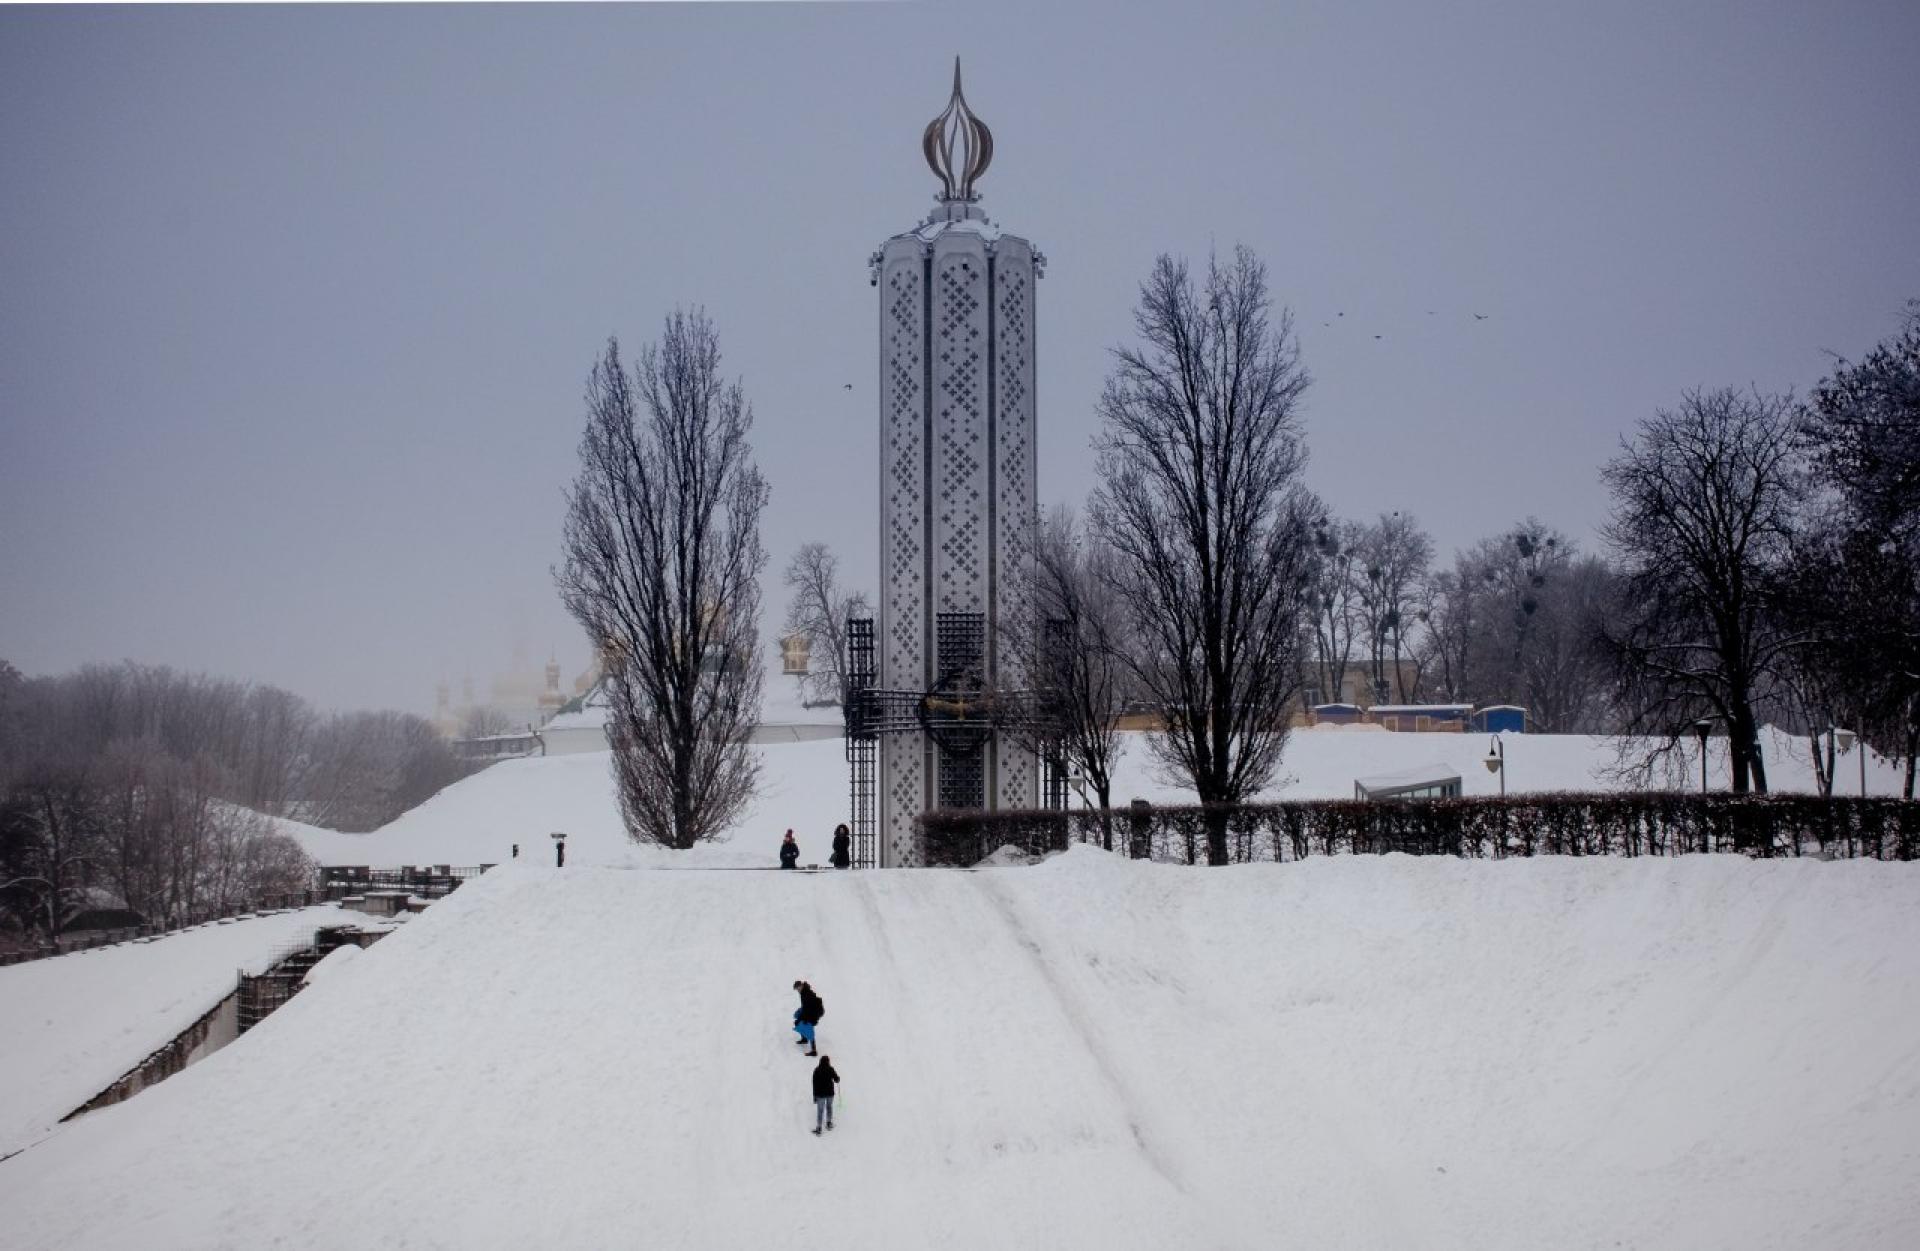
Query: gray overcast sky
x=296, y=303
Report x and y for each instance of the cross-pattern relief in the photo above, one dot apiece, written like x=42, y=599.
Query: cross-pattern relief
x=960, y=428
x=903, y=511
x=903, y=798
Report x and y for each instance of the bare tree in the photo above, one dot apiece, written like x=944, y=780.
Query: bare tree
x=1514, y=621
x=272, y=863
x=663, y=560
x=274, y=751
x=1392, y=558
x=1704, y=498
x=819, y=610
x=1859, y=588
x=367, y=768
x=1449, y=617
x=49, y=831
x=484, y=721
x=1201, y=458
x=1072, y=640
x=1564, y=672
x=1331, y=607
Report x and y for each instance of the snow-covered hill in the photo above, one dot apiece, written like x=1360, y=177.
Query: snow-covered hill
x=1365, y=1052
x=73, y=1025
x=803, y=787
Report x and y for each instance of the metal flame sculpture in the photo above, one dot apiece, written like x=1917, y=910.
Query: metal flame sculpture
x=957, y=132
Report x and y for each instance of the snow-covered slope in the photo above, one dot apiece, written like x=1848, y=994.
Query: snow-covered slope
x=73, y=1025
x=1363, y=1052
x=803, y=787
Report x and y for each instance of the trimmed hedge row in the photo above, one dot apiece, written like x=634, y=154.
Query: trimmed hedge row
x=1651, y=823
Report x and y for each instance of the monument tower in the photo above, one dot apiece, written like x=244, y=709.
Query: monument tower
x=958, y=499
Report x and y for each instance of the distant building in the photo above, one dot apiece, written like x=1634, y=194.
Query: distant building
x=519, y=698
x=1421, y=718
x=1499, y=719
x=582, y=727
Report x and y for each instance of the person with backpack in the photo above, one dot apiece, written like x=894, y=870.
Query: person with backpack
x=842, y=846
x=824, y=1080
x=808, y=1015
x=789, y=852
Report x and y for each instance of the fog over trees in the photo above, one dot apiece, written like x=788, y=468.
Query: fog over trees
x=818, y=610
x=140, y=786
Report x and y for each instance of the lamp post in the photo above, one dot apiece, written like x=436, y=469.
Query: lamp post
x=1077, y=783
x=1496, y=762
x=1700, y=731
x=1846, y=739
x=559, y=838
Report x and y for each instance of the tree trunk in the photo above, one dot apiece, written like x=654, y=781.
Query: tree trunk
x=1913, y=748
x=1217, y=815
x=1822, y=763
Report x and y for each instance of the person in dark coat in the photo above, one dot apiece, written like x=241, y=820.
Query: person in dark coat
x=824, y=1080
x=842, y=846
x=807, y=1015
x=789, y=852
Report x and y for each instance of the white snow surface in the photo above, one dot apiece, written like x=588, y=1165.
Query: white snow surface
x=803, y=787
x=1351, y=1052
x=72, y=1025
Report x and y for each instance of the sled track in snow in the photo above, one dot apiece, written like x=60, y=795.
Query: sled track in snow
x=1073, y=1010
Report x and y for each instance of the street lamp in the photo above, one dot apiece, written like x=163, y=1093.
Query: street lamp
x=1701, y=729
x=1496, y=762
x=1845, y=739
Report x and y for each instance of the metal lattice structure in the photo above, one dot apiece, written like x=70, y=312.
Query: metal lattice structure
x=960, y=716
x=860, y=746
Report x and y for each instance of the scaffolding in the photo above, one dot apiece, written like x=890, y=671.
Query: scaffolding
x=862, y=742
x=961, y=714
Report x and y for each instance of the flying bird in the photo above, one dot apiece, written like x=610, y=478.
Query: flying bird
x=847, y=387
x=1479, y=316
x=1376, y=336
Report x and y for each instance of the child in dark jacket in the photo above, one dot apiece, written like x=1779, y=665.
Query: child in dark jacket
x=807, y=1015
x=824, y=1080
